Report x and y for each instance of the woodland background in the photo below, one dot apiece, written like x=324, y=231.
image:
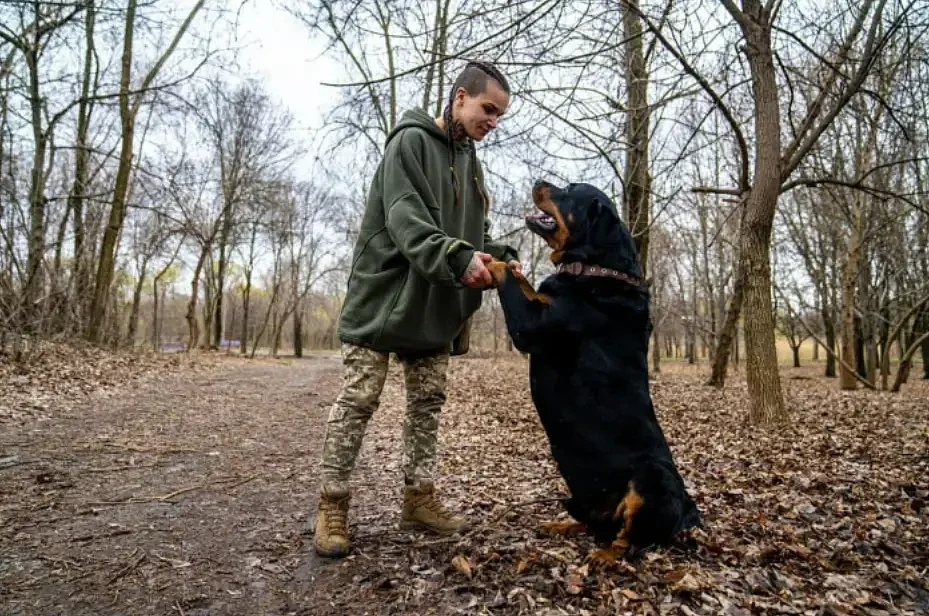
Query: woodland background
x=770, y=157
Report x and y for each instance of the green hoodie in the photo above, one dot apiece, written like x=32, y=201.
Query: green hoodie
x=414, y=244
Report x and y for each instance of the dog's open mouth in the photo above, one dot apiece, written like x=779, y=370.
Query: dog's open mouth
x=542, y=223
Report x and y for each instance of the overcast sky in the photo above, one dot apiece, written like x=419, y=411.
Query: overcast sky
x=277, y=47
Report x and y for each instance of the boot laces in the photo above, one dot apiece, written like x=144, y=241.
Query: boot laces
x=431, y=503
x=336, y=516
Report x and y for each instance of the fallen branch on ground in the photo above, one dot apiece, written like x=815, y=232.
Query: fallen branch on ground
x=168, y=497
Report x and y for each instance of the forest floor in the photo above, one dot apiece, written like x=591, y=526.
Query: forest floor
x=171, y=485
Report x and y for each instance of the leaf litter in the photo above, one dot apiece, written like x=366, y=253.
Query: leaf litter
x=825, y=515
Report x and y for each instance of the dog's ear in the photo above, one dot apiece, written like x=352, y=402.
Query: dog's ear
x=607, y=208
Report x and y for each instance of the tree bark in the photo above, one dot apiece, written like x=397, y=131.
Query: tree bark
x=81, y=158
x=636, y=171
x=764, y=385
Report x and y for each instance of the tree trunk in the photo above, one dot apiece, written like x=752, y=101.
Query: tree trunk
x=728, y=335
x=298, y=333
x=136, y=302
x=815, y=351
x=904, y=368
x=107, y=261
x=735, y=348
x=764, y=385
x=156, y=329
x=656, y=352
x=796, y=353
x=246, y=294
x=36, y=252
x=829, y=326
x=81, y=157
x=637, y=133
x=221, y=277
x=860, y=364
x=57, y=309
x=847, y=380
x=208, y=306
x=924, y=351
x=272, y=301
x=191, y=316
x=277, y=331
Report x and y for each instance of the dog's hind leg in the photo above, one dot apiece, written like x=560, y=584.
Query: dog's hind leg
x=607, y=557
x=565, y=528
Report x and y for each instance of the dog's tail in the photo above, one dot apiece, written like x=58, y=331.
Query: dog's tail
x=691, y=518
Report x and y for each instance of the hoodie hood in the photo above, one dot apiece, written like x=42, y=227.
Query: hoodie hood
x=420, y=119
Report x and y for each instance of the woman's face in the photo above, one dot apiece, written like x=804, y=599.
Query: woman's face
x=480, y=113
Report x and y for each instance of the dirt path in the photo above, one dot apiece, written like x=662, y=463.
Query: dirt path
x=193, y=495
x=187, y=495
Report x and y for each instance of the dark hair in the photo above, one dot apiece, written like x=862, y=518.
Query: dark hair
x=473, y=78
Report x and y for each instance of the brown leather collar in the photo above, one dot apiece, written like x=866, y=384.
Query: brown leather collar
x=584, y=269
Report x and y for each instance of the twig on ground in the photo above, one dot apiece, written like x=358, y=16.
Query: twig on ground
x=122, y=572
x=174, y=562
x=115, y=533
x=239, y=483
x=113, y=469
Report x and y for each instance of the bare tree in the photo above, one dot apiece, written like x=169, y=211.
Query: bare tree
x=251, y=145
x=32, y=40
x=130, y=101
x=844, y=72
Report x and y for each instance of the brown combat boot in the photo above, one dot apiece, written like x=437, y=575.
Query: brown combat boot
x=422, y=509
x=331, y=537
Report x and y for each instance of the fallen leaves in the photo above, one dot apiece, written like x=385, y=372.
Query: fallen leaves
x=837, y=491
x=463, y=566
x=56, y=376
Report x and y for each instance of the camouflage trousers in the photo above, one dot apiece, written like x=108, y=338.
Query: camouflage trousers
x=365, y=371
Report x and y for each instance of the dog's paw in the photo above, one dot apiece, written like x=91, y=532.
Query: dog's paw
x=604, y=558
x=498, y=270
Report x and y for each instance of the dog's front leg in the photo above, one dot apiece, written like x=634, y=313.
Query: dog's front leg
x=529, y=315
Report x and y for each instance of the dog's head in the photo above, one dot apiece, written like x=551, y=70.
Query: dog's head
x=581, y=224
x=657, y=507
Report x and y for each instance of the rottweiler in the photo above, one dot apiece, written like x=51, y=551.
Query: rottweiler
x=586, y=332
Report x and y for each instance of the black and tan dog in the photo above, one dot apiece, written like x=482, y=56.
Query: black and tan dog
x=586, y=332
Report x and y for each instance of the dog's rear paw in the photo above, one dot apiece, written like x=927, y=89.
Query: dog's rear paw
x=565, y=528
